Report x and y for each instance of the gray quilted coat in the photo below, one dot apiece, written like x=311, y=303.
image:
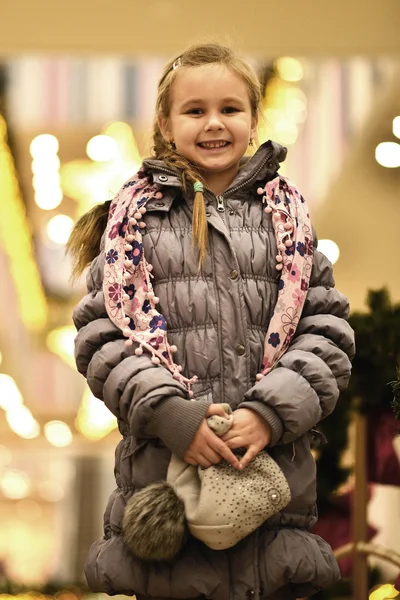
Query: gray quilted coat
x=218, y=321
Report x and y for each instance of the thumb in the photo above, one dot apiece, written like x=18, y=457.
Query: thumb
x=216, y=409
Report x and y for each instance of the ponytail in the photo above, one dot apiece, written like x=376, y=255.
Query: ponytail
x=84, y=242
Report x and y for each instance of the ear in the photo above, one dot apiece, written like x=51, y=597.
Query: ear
x=165, y=129
x=254, y=124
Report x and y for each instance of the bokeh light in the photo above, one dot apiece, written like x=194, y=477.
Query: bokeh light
x=15, y=484
x=330, y=249
x=21, y=421
x=387, y=154
x=289, y=68
x=10, y=396
x=59, y=229
x=396, y=126
x=43, y=144
x=101, y=148
x=58, y=433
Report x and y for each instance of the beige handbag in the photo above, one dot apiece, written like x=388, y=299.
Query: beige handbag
x=224, y=505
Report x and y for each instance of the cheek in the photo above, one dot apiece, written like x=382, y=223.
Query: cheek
x=186, y=131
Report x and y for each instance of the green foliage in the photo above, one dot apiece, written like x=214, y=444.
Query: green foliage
x=378, y=352
x=374, y=367
x=396, y=395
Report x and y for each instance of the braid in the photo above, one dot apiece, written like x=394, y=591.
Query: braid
x=189, y=175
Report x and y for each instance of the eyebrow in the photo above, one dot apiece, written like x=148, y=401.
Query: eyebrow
x=231, y=99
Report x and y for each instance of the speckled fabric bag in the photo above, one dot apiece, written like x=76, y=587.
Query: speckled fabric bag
x=223, y=505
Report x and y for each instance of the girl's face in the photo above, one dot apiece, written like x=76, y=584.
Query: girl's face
x=210, y=121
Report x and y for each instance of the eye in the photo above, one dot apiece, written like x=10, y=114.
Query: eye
x=230, y=109
x=195, y=111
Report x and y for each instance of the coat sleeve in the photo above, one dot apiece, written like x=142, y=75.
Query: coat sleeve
x=144, y=396
x=305, y=384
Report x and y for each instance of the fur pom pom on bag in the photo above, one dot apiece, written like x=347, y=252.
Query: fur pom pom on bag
x=158, y=518
x=154, y=525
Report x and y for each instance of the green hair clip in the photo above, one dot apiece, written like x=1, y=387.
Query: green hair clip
x=198, y=186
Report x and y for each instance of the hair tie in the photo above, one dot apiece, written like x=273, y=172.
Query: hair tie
x=198, y=186
x=177, y=63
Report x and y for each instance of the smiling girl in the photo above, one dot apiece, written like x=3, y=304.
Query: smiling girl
x=205, y=284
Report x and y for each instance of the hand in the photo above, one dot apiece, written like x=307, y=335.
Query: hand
x=207, y=448
x=249, y=430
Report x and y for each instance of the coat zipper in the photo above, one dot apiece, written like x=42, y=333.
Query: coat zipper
x=221, y=197
x=252, y=178
x=229, y=190
x=221, y=207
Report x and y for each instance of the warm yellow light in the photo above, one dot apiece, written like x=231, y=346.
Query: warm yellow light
x=286, y=132
x=294, y=104
x=330, y=249
x=59, y=229
x=289, y=69
x=15, y=484
x=273, y=115
x=48, y=198
x=58, y=433
x=61, y=342
x=387, y=154
x=21, y=421
x=10, y=395
x=292, y=92
x=44, y=144
x=14, y=226
x=48, y=180
x=384, y=592
x=101, y=148
x=93, y=182
x=129, y=159
x=396, y=126
x=5, y=456
x=29, y=510
x=118, y=130
x=51, y=491
x=45, y=167
x=94, y=420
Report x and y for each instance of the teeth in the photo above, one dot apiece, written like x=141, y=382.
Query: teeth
x=213, y=144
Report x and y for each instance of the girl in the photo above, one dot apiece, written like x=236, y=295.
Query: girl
x=205, y=283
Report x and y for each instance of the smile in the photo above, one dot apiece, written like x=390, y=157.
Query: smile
x=211, y=145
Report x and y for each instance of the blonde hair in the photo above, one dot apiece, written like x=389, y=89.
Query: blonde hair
x=196, y=56
x=84, y=242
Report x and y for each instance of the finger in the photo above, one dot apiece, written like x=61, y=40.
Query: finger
x=215, y=409
x=203, y=462
x=237, y=442
x=248, y=457
x=226, y=453
x=229, y=435
x=213, y=457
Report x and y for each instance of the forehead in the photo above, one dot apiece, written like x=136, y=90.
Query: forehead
x=208, y=83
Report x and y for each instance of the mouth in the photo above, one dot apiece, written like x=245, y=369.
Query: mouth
x=215, y=145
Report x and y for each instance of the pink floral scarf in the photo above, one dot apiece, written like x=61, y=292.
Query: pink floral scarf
x=128, y=292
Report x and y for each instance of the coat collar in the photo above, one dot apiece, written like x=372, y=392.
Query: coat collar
x=261, y=166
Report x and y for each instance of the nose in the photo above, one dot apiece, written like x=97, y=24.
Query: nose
x=214, y=123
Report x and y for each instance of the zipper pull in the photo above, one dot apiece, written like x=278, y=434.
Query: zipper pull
x=220, y=204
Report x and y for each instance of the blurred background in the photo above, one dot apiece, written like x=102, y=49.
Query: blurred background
x=77, y=92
